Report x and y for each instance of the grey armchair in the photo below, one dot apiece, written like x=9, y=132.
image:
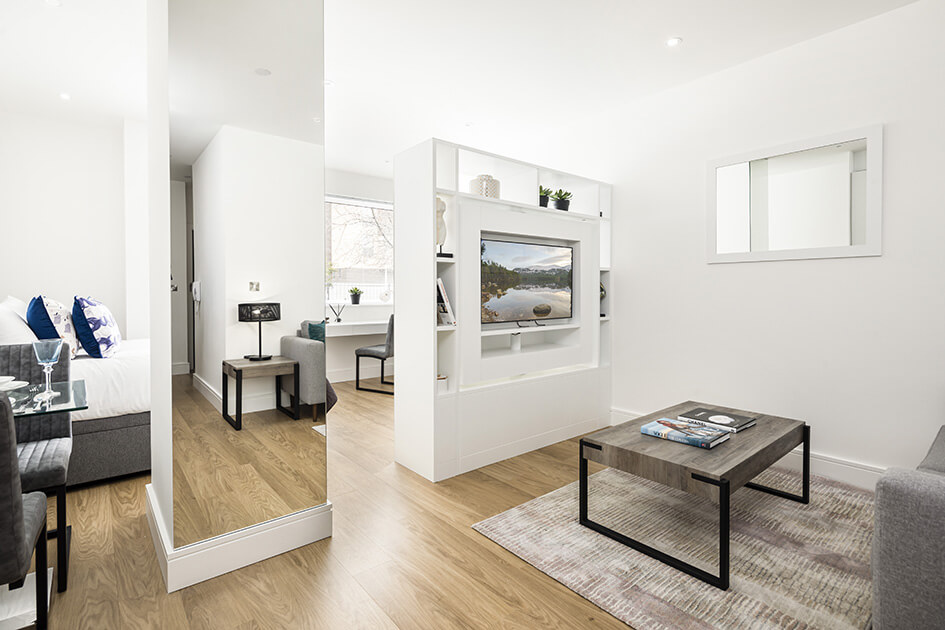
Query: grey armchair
x=311, y=357
x=909, y=545
x=22, y=520
x=44, y=446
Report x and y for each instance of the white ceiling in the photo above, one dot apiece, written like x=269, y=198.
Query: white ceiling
x=497, y=74
x=93, y=50
x=214, y=50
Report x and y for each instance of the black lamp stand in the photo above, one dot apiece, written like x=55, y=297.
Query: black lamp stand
x=260, y=356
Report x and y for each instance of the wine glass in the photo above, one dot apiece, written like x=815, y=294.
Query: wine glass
x=47, y=354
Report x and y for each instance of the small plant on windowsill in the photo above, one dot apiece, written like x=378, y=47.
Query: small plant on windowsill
x=561, y=199
x=543, y=194
x=355, y=294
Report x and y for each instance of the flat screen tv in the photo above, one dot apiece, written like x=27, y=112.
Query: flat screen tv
x=524, y=281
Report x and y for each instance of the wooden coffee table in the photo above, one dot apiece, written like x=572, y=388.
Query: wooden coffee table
x=711, y=473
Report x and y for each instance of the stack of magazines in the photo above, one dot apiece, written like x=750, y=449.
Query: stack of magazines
x=686, y=432
x=717, y=419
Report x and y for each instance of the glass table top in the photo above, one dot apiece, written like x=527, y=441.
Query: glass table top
x=71, y=398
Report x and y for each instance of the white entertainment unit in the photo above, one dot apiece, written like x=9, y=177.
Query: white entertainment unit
x=510, y=389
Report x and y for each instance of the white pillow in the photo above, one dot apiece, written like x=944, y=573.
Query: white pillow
x=16, y=305
x=13, y=328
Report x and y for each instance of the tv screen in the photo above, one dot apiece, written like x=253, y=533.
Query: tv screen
x=524, y=281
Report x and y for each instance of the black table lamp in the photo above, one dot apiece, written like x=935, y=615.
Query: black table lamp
x=260, y=312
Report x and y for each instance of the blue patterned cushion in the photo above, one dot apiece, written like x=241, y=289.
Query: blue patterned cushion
x=49, y=319
x=96, y=328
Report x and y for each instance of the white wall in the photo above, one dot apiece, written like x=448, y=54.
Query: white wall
x=179, y=317
x=339, y=351
x=62, y=210
x=258, y=216
x=137, y=284
x=854, y=346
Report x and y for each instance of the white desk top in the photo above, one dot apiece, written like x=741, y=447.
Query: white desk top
x=350, y=329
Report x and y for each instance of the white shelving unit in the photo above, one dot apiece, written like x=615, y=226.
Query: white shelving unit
x=510, y=389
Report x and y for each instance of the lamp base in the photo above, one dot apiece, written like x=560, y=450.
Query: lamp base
x=257, y=357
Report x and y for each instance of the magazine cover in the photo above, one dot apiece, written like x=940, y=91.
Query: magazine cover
x=685, y=432
x=719, y=419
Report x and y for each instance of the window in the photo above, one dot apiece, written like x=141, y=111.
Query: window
x=359, y=244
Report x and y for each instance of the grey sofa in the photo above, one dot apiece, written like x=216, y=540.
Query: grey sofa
x=909, y=545
x=311, y=357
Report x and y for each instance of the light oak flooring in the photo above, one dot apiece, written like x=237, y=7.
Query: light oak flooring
x=403, y=554
x=226, y=479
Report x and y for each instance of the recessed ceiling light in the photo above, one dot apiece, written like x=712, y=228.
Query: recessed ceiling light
x=263, y=72
x=329, y=82
x=672, y=42
x=65, y=96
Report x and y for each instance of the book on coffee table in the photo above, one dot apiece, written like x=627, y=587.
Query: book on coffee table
x=685, y=432
x=718, y=419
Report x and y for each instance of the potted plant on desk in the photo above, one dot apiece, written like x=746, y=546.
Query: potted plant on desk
x=561, y=199
x=355, y=293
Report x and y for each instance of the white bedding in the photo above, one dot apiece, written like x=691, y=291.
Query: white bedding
x=118, y=385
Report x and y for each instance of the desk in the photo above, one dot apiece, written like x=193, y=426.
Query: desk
x=352, y=329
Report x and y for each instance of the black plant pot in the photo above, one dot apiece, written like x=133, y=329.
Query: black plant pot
x=562, y=204
x=543, y=201
x=355, y=298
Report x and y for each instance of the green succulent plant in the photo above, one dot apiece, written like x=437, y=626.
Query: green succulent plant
x=544, y=192
x=561, y=195
x=355, y=291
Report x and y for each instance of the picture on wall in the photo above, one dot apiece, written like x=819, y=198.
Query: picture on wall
x=524, y=281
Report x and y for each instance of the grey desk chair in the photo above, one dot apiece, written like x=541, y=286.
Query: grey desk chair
x=44, y=446
x=22, y=520
x=383, y=352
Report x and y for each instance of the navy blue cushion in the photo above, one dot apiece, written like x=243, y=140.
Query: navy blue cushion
x=39, y=320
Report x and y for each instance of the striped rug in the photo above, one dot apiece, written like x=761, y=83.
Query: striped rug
x=793, y=565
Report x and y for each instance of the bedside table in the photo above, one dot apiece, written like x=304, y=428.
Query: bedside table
x=240, y=368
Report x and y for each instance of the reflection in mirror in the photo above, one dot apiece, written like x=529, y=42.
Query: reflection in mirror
x=247, y=160
x=817, y=200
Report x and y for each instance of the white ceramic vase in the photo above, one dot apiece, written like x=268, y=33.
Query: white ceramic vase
x=485, y=186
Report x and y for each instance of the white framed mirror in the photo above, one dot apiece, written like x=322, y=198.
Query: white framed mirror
x=817, y=198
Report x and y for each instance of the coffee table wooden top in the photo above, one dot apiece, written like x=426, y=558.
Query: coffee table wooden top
x=740, y=459
x=276, y=366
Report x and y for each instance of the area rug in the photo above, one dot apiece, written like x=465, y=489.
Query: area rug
x=793, y=565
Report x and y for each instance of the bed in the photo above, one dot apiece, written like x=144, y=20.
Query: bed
x=113, y=436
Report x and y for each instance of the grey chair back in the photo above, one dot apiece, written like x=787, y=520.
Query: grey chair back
x=19, y=361
x=13, y=544
x=389, y=342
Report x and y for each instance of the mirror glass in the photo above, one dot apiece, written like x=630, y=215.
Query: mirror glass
x=246, y=85
x=807, y=203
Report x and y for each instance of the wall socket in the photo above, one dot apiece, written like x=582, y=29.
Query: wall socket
x=253, y=286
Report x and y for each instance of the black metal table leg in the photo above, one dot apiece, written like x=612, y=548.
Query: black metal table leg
x=62, y=543
x=236, y=423
x=804, y=497
x=296, y=400
x=719, y=581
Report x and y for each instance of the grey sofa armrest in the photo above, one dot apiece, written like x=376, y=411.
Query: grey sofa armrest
x=19, y=361
x=909, y=550
x=311, y=357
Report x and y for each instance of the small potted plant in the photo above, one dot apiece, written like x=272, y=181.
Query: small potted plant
x=355, y=293
x=562, y=199
x=543, y=194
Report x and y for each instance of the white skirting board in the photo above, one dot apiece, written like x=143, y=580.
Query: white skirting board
x=843, y=470
x=18, y=608
x=189, y=565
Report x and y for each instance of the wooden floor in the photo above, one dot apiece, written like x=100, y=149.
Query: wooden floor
x=403, y=554
x=226, y=479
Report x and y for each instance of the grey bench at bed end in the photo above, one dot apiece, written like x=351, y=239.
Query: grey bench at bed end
x=103, y=448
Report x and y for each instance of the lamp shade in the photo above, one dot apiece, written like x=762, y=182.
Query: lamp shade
x=260, y=312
